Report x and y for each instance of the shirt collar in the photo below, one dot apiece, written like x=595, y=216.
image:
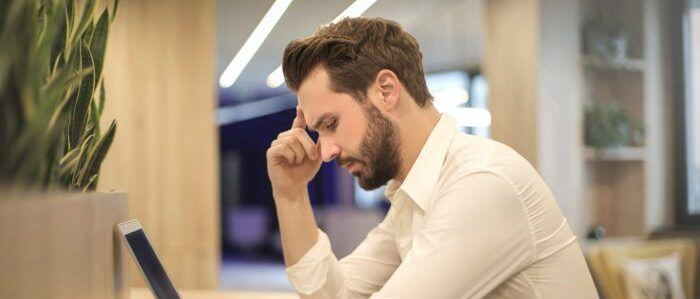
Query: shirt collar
x=423, y=175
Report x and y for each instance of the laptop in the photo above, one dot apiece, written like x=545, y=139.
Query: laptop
x=146, y=259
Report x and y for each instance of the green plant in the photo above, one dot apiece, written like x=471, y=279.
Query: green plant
x=607, y=125
x=52, y=94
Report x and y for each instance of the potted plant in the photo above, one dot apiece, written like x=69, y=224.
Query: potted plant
x=56, y=231
x=607, y=125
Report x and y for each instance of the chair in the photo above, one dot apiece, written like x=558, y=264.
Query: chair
x=606, y=259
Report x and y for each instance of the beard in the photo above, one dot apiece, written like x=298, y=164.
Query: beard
x=379, y=149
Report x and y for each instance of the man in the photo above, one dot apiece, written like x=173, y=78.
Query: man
x=469, y=217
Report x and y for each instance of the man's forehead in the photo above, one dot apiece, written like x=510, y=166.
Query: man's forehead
x=314, y=87
x=316, y=98
x=305, y=107
x=312, y=112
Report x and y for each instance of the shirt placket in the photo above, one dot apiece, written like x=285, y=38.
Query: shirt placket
x=403, y=223
x=416, y=221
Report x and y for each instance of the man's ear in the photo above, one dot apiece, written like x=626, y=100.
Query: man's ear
x=389, y=88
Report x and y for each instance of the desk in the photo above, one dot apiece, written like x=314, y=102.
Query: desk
x=142, y=293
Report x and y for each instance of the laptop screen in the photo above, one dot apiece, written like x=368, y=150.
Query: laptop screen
x=152, y=268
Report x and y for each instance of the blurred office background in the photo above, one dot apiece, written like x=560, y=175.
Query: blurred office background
x=602, y=97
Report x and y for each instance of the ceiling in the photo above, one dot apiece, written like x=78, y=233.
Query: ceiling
x=450, y=33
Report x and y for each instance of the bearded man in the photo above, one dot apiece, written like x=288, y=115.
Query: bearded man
x=469, y=217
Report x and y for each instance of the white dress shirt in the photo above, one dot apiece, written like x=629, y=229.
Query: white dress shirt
x=472, y=219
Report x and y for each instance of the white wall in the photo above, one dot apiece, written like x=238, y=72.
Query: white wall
x=560, y=109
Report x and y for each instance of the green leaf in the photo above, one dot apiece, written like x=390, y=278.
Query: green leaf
x=61, y=38
x=68, y=161
x=71, y=10
x=31, y=163
x=54, y=157
x=85, y=17
x=84, y=156
x=63, y=82
x=94, y=118
x=91, y=184
x=99, y=42
x=99, y=153
x=90, y=131
x=114, y=10
x=87, y=35
x=41, y=128
x=102, y=98
x=82, y=104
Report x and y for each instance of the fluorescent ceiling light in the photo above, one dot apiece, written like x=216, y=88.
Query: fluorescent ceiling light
x=252, y=44
x=276, y=78
x=450, y=97
x=355, y=9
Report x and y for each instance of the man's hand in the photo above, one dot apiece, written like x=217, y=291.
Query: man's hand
x=292, y=159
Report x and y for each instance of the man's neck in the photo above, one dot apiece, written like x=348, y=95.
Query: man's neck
x=414, y=133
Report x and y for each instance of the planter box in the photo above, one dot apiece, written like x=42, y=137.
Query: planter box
x=62, y=246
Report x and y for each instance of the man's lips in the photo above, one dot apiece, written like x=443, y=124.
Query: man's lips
x=350, y=166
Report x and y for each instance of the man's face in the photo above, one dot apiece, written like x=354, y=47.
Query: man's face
x=358, y=135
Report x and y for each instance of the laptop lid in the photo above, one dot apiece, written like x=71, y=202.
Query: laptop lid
x=146, y=259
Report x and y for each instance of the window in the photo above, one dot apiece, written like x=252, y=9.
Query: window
x=688, y=116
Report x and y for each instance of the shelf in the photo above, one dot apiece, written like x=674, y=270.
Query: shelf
x=614, y=154
x=627, y=64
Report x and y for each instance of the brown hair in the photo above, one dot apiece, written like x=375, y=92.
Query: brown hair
x=353, y=51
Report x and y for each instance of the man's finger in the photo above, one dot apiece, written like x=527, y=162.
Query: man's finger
x=308, y=145
x=284, y=152
x=291, y=132
x=299, y=152
x=299, y=120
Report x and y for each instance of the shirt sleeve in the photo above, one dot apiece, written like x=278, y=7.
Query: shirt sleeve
x=475, y=237
x=318, y=274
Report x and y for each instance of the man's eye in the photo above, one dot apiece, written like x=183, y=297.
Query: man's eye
x=331, y=126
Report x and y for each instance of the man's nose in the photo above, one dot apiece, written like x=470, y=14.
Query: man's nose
x=329, y=150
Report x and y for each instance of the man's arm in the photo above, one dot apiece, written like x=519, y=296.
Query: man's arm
x=318, y=274
x=292, y=161
x=298, y=228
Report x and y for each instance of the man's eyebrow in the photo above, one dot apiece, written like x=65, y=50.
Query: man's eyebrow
x=317, y=123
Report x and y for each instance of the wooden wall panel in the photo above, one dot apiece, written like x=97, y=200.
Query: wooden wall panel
x=511, y=65
x=616, y=196
x=161, y=89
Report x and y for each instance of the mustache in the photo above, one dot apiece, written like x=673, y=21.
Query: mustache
x=343, y=161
